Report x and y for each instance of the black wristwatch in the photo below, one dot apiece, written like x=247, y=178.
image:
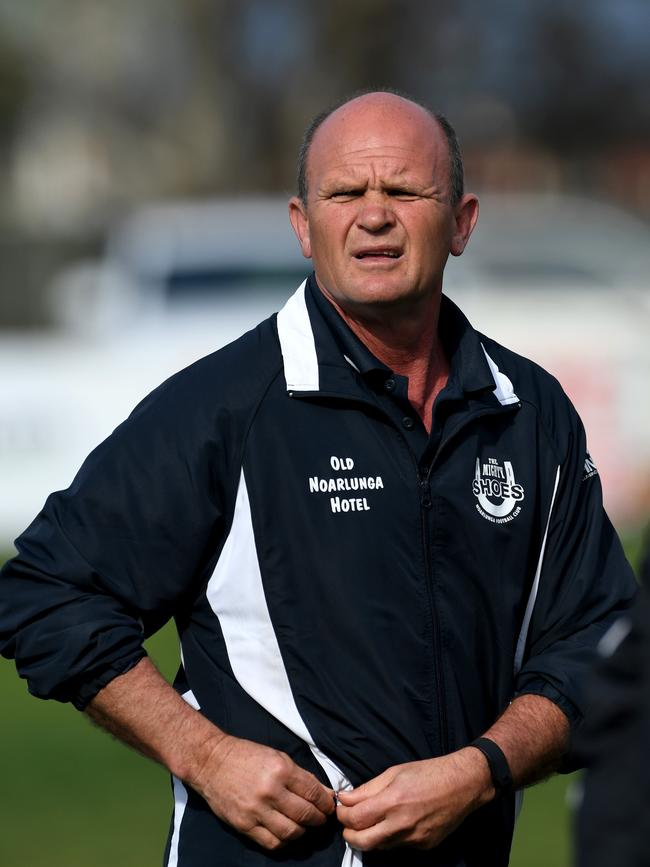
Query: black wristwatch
x=499, y=768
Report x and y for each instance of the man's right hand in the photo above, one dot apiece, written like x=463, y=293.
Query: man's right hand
x=262, y=792
x=256, y=789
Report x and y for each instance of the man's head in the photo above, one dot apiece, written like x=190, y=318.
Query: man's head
x=383, y=206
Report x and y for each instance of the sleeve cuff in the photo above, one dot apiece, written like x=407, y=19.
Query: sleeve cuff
x=539, y=686
x=83, y=693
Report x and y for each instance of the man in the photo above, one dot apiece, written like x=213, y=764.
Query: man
x=374, y=529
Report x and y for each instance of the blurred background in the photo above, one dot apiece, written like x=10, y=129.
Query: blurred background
x=146, y=154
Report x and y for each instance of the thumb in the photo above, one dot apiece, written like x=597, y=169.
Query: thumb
x=367, y=790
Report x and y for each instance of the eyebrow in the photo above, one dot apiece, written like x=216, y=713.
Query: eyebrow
x=353, y=181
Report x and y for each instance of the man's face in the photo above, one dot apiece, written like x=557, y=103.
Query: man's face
x=378, y=223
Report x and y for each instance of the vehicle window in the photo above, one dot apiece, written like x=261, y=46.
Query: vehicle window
x=191, y=283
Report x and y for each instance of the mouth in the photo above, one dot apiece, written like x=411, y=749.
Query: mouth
x=378, y=254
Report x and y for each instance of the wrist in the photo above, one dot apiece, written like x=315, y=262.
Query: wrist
x=478, y=768
x=210, y=746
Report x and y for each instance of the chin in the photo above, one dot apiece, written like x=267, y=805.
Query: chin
x=378, y=291
x=385, y=293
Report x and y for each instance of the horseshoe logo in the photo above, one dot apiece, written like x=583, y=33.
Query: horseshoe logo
x=507, y=489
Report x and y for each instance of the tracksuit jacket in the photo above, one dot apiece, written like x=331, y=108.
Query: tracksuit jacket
x=346, y=587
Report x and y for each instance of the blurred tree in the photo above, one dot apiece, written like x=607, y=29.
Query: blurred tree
x=580, y=97
x=14, y=89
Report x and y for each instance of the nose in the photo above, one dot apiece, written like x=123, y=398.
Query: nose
x=376, y=213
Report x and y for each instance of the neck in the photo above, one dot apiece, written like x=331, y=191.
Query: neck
x=408, y=343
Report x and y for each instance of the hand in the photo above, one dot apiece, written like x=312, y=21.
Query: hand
x=262, y=792
x=416, y=804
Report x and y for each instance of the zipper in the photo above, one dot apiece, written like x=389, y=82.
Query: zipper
x=426, y=504
x=340, y=783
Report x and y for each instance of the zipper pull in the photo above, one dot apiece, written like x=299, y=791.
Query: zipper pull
x=425, y=493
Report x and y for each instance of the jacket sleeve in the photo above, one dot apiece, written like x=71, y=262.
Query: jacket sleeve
x=583, y=582
x=107, y=561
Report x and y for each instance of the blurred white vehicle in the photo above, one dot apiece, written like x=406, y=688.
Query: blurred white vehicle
x=561, y=280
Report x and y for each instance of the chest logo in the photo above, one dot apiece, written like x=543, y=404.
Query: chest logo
x=343, y=483
x=497, y=491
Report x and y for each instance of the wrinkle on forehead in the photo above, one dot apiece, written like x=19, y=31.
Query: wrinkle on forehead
x=379, y=151
x=360, y=163
x=377, y=147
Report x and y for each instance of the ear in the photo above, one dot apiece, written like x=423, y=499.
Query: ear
x=465, y=217
x=300, y=223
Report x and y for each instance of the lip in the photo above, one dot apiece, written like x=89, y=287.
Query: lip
x=384, y=253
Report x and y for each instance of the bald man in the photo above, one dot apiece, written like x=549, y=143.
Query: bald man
x=379, y=532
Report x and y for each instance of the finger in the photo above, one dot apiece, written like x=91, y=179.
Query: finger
x=282, y=827
x=263, y=837
x=299, y=810
x=306, y=785
x=380, y=836
x=365, y=814
x=367, y=790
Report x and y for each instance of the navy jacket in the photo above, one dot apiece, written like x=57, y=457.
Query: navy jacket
x=345, y=588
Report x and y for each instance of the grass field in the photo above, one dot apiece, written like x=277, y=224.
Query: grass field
x=73, y=797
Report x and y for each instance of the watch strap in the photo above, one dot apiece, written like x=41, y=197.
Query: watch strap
x=498, y=764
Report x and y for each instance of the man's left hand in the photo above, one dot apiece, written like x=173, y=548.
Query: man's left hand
x=416, y=804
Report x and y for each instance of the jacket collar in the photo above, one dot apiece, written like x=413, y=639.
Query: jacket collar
x=320, y=352
x=298, y=344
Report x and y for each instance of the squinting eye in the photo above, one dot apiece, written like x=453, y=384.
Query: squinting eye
x=402, y=194
x=346, y=194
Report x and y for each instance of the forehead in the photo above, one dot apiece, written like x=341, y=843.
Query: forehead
x=394, y=136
